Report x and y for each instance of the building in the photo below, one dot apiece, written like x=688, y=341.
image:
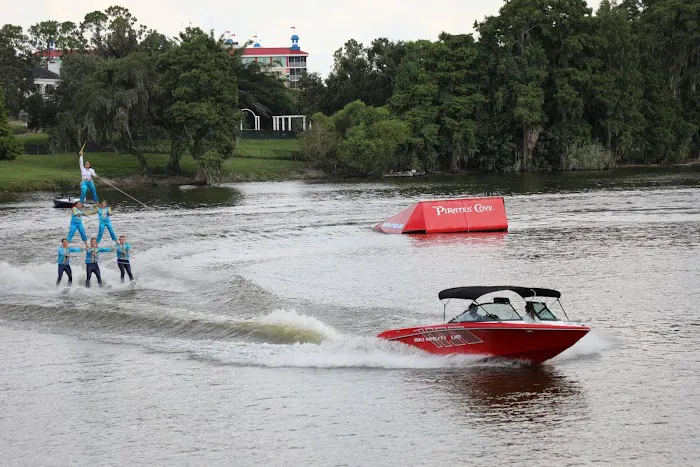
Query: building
x=51, y=59
x=45, y=81
x=46, y=77
x=288, y=62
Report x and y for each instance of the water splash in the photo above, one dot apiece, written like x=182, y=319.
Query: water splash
x=593, y=343
x=39, y=279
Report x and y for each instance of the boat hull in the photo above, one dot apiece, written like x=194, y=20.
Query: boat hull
x=530, y=342
x=62, y=203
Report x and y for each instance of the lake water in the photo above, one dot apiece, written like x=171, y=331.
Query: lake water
x=249, y=336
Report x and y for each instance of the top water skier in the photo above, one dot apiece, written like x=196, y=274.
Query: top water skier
x=87, y=173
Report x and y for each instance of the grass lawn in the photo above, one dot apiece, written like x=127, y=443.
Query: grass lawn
x=262, y=148
x=36, y=173
x=33, y=138
x=267, y=147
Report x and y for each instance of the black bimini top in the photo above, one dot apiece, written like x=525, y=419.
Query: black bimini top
x=472, y=293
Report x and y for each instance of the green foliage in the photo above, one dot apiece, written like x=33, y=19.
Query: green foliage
x=41, y=112
x=320, y=143
x=359, y=73
x=587, y=157
x=18, y=128
x=10, y=146
x=16, y=63
x=546, y=85
x=260, y=90
x=357, y=141
x=197, y=88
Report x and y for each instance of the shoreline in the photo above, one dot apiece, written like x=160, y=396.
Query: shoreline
x=303, y=173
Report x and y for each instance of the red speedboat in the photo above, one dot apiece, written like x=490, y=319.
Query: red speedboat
x=494, y=328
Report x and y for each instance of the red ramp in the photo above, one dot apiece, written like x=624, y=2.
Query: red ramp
x=448, y=216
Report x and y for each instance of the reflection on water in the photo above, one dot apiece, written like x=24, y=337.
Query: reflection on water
x=509, y=393
x=190, y=197
x=553, y=182
x=491, y=239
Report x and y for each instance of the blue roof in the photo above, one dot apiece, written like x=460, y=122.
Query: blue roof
x=295, y=37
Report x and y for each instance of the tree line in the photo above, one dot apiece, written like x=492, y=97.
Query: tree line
x=543, y=85
x=122, y=82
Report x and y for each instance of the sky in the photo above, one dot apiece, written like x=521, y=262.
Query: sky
x=323, y=26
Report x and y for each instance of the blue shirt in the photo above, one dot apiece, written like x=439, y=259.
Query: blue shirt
x=92, y=255
x=77, y=215
x=105, y=214
x=64, y=254
x=123, y=252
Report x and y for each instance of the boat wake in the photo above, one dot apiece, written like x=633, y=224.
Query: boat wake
x=278, y=339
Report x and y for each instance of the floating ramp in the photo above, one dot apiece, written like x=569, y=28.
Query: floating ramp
x=449, y=216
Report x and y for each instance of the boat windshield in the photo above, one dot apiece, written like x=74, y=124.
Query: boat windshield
x=488, y=312
x=543, y=312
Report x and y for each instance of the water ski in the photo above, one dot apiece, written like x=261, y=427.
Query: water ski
x=65, y=290
x=131, y=284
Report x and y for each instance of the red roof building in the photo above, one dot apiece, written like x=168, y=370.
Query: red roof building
x=288, y=62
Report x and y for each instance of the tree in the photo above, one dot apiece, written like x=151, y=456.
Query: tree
x=460, y=100
x=16, y=64
x=363, y=73
x=114, y=34
x=311, y=94
x=42, y=112
x=414, y=101
x=199, y=94
x=357, y=141
x=260, y=89
x=614, y=107
x=63, y=36
x=10, y=147
x=320, y=143
x=670, y=32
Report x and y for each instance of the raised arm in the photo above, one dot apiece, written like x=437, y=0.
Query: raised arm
x=75, y=249
x=82, y=166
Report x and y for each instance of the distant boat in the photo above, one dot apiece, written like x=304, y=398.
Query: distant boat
x=65, y=201
x=409, y=173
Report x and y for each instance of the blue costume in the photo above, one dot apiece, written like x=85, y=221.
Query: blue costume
x=105, y=222
x=87, y=182
x=76, y=223
x=64, y=263
x=92, y=255
x=123, y=255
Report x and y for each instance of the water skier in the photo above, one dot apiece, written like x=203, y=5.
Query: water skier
x=76, y=222
x=87, y=173
x=123, y=255
x=105, y=213
x=64, y=252
x=92, y=255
